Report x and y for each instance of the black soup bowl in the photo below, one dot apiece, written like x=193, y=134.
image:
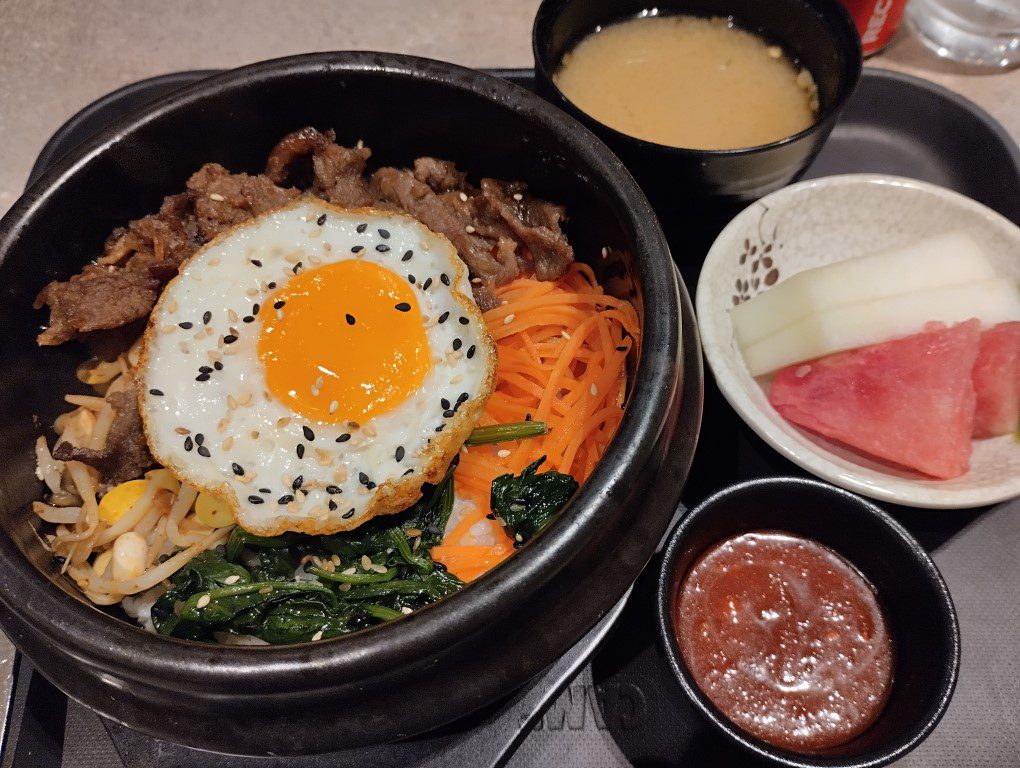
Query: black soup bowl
x=818, y=34
x=914, y=598
x=420, y=671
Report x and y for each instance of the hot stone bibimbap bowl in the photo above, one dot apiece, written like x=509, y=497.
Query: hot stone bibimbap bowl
x=427, y=669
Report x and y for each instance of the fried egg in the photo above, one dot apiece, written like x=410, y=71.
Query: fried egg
x=314, y=366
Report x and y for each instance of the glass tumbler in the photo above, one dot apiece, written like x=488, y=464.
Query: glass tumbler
x=983, y=33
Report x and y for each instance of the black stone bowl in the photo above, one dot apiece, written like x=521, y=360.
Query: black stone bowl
x=819, y=33
x=420, y=671
x=910, y=589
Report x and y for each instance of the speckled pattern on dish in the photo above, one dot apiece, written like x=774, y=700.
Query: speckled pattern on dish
x=818, y=222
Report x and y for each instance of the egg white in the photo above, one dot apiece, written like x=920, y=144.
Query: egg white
x=210, y=418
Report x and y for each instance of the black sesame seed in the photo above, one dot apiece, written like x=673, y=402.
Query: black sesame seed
x=296, y=267
x=279, y=304
x=410, y=279
x=321, y=220
x=407, y=472
x=265, y=490
x=445, y=403
x=256, y=500
x=300, y=451
x=457, y=344
x=440, y=428
x=204, y=369
x=229, y=338
x=384, y=234
x=238, y=469
x=361, y=228
x=188, y=443
x=382, y=248
x=400, y=453
x=332, y=505
x=491, y=516
x=218, y=365
x=309, y=435
x=448, y=414
x=463, y=396
x=439, y=566
x=463, y=320
x=203, y=451
x=350, y=319
x=199, y=439
x=186, y=325
x=407, y=256
x=206, y=317
x=256, y=263
x=427, y=284
x=363, y=478
x=247, y=319
x=285, y=499
x=471, y=352
x=297, y=482
x=444, y=317
x=370, y=485
x=527, y=417
x=357, y=248
x=334, y=489
x=57, y=562
x=270, y=286
x=255, y=309
x=156, y=392
x=344, y=437
x=444, y=278
x=621, y=349
x=403, y=307
x=348, y=514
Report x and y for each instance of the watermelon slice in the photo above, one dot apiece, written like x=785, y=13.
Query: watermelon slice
x=909, y=401
x=997, y=381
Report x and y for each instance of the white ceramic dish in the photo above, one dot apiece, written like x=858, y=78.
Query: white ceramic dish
x=818, y=222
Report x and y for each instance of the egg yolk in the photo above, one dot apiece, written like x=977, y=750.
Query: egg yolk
x=343, y=342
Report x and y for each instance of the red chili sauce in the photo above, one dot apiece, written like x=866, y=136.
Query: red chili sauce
x=786, y=638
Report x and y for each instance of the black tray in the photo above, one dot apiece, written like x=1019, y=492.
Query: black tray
x=894, y=124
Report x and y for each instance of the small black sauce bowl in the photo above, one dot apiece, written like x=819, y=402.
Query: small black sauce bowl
x=913, y=596
x=819, y=34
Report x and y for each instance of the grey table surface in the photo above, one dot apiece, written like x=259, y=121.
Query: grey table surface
x=58, y=55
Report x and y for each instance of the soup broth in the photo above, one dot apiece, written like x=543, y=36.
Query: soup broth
x=687, y=81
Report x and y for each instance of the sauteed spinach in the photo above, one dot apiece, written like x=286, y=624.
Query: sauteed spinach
x=295, y=588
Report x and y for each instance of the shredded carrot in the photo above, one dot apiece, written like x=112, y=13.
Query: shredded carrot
x=562, y=348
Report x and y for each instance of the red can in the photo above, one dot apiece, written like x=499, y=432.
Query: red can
x=876, y=20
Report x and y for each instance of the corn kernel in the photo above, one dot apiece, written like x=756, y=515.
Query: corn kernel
x=212, y=511
x=120, y=499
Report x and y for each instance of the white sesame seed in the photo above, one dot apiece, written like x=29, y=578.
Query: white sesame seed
x=366, y=562
x=463, y=197
x=252, y=291
x=564, y=334
x=232, y=579
x=504, y=454
x=168, y=328
x=509, y=318
x=518, y=196
x=203, y=601
x=228, y=443
x=319, y=382
x=605, y=252
x=214, y=262
x=265, y=590
x=360, y=144
x=317, y=636
x=333, y=406
x=379, y=568
x=171, y=305
x=405, y=610
x=315, y=391
x=476, y=280
x=217, y=197
x=469, y=229
x=349, y=571
x=279, y=314
x=594, y=390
